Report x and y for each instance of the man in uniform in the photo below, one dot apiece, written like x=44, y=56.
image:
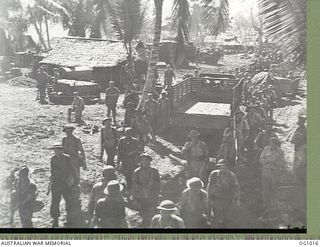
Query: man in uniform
x=72, y=146
x=63, y=178
x=25, y=190
x=272, y=99
x=263, y=139
x=151, y=108
x=224, y=193
x=77, y=107
x=146, y=188
x=108, y=174
x=129, y=114
x=128, y=151
x=197, y=155
x=42, y=80
x=109, y=141
x=112, y=96
x=164, y=111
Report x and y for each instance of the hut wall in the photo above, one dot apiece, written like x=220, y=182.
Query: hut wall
x=104, y=75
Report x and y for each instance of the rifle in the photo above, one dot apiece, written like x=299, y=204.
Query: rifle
x=49, y=187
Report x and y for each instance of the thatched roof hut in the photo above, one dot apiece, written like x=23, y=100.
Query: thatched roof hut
x=105, y=58
x=84, y=52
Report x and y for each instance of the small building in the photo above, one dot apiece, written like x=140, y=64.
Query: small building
x=103, y=58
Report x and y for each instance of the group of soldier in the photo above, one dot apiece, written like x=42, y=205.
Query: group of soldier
x=210, y=195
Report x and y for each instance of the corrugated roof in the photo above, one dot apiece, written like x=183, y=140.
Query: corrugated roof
x=76, y=52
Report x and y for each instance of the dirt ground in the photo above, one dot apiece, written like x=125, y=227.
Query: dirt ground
x=28, y=129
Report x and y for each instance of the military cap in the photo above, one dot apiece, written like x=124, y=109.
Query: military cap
x=167, y=205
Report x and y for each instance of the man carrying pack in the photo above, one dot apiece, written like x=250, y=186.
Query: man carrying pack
x=146, y=188
x=77, y=107
x=224, y=193
x=108, y=174
x=63, y=178
x=109, y=141
x=128, y=151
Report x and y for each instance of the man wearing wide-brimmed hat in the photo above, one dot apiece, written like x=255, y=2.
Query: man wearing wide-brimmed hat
x=109, y=141
x=97, y=192
x=146, y=188
x=128, y=150
x=72, y=146
x=194, y=204
x=77, y=106
x=63, y=178
x=224, y=193
x=197, y=155
x=167, y=217
x=110, y=210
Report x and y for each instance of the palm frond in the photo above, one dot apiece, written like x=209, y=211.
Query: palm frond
x=216, y=17
x=285, y=21
x=127, y=18
x=181, y=19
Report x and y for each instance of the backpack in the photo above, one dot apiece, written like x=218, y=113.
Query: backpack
x=223, y=184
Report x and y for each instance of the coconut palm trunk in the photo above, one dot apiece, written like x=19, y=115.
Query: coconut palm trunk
x=149, y=85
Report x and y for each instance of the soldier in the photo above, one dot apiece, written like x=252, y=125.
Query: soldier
x=142, y=128
x=272, y=99
x=131, y=97
x=164, y=111
x=146, y=188
x=109, y=141
x=197, y=155
x=72, y=146
x=56, y=76
x=25, y=192
x=194, y=204
x=110, y=210
x=254, y=121
x=224, y=193
x=263, y=139
x=63, y=178
x=167, y=218
x=42, y=80
x=112, y=96
x=97, y=192
x=169, y=75
x=299, y=139
x=77, y=107
x=128, y=151
x=228, y=149
x=273, y=162
x=151, y=108
x=129, y=114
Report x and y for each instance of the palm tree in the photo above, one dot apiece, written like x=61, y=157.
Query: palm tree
x=148, y=87
x=286, y=22
x=126, y=19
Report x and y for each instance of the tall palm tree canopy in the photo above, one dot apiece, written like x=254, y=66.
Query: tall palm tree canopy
x=286, y=22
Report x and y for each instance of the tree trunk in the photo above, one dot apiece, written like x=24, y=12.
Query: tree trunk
x=37, y=29
x=47, y=30
x=148, y=87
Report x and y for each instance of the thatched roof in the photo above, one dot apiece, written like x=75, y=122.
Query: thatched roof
x=83, y=52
